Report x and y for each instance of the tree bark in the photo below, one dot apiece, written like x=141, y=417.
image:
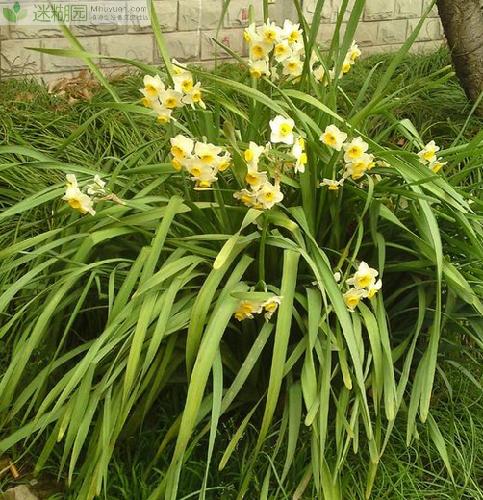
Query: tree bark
x=463, y=27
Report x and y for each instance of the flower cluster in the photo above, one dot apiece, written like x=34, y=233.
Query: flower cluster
x=362, y=285
x=164, y=100
x=275, y=51
x=81, y=201
x=428, y=156
x=248, y=308
x=200, y=159
x=356, y=158
x=261, y=193
x=318, y=69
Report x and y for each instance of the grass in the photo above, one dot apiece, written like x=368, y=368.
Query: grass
x=109, y=313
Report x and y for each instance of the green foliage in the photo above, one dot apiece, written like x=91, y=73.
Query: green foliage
x=104, y=316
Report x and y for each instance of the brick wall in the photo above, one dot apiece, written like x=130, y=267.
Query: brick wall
x=189, y=26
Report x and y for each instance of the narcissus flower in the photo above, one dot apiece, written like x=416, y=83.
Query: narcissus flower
x=357, y=168
x=259, y=68
x=248, y=198
x=332, y=184
x=269, y=32
x=194, y=96
x=259, y=49
x=207, y=152
x=355, y=149
x=153, y=86
x=437, y=165
x=252, y=154
x=250, y=33
x=247, y=308
x=298, y=152
x=373, y=289
x=428, y=153
x=163, y=115
x=75, y=198
x=255, y=179
x=292, y=32
x=222, y=163
x=171, y=99
x=293, y=66
x=352, y=298
x=282, y=130
x=364, y=277
x=269, y=194
x=181, y=147
x=354, y=52
x=183, y=82
x=178, y=68
x=333, y=137
x=271, y=305
x=282, y=51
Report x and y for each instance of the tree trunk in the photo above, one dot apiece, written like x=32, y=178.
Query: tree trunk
x=463, y=26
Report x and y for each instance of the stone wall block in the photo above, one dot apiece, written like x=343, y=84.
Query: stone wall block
x=378, y=9
x=184, y=46
x=391, y=32
x=58, y=63
x=232, y=38
x=136, y=46
x=16, y=60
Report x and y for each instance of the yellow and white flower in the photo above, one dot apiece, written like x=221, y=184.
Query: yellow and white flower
x=259, y=68
x=292, y=32
x=181, y=147
x=355, y=149
x=163, y=115
x=373, y=289
x=271, y=305
x=352, y=298
x=354, y=52
x=222, y=163
x=332, y=184
x=428, y=153
x=364, y=277
x=248, y=198
x=153, y=86
x=293, y=66
x=171, y=99
x=252, y=154
x=346, y=66
x=194, y=96
x=269, y=194
x=207, y=152
x=183, y=82
x=269, y=32
x=282, y=130
x=333, y=137
x=255, y=179
x=71, y=181
x=259, y=49
x=250, y=33
x=76, y=199
x=437, y=165
x=357, y=168
x=178, y=68
x=247, y=308
x=298, y=152
x=282, y=51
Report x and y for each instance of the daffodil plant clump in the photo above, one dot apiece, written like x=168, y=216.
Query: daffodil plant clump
x=276, y=254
